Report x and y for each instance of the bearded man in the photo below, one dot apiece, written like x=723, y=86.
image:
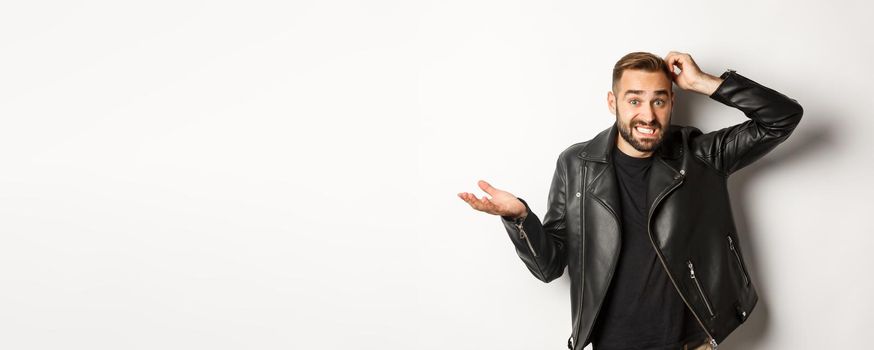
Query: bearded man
x=640, y=214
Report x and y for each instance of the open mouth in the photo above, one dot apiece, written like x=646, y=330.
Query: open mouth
x=645, y=131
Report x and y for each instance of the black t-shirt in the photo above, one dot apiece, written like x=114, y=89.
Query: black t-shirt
x=642, y=309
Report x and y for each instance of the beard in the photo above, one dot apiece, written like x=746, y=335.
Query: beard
x=640, y=144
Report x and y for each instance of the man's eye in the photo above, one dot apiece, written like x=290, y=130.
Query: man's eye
x=634, y=102
x=660, y=102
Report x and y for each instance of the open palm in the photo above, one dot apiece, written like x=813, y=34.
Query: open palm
x=502, y=202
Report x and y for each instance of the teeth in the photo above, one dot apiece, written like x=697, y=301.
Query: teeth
x=645, y=130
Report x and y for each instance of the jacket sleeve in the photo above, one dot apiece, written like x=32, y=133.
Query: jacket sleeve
x=543, y=247
x=773, y=117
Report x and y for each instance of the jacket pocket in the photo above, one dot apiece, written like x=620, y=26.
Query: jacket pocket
x=738, y=261
x=700, y=289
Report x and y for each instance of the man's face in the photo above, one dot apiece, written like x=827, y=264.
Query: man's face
x=642, y=104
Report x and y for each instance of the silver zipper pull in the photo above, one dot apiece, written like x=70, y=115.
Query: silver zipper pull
x=713, y=343
x=523, y=235
x=518, y=223
x=691, y=269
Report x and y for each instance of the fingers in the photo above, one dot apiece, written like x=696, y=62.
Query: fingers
x=670, y=62
x=481, y=204
x=485, y=186
x=682, y=60
x=488, y=204
x=674, y=58
x=472, y=200
x=688, y=68
x=674, y=74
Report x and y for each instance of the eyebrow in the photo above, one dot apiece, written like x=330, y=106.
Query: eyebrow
x=640, y=92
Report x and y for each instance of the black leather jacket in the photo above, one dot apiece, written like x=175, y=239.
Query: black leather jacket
x=690, y=223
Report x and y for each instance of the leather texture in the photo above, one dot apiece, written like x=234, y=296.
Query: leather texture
x=690, y=222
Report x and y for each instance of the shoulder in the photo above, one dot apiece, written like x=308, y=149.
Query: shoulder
x=570, y=158
x=574, y=149
x=683, y=129
x=682, y=133
x=573, y=153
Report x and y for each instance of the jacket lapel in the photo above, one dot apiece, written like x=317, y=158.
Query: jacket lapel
x=604, y=186
x=663, y=174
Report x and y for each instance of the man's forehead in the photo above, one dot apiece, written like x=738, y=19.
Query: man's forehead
x=638, y=82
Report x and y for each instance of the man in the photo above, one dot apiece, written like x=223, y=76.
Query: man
x=656, y=193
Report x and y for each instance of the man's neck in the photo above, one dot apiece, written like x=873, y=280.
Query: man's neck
x=631, y=151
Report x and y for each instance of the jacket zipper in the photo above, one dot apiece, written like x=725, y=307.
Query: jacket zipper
x=575, y=333
x=740, y=265
x=524, y=236
x=700, y=289
x=713, y=343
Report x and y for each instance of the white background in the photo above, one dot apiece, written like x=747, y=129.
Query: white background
x=283, y=175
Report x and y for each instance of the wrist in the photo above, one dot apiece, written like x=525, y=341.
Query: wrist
x=524, y=213
x=707, y=84
x=516, y=217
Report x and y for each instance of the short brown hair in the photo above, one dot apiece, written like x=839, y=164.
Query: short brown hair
x=640, y=60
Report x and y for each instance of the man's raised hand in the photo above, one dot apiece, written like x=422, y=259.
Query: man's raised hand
x=691, y=77
x=502, y=202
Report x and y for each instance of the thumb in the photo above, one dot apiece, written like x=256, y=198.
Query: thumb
x=485, y=186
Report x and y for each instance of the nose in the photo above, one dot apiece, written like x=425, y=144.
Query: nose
x=647, y=114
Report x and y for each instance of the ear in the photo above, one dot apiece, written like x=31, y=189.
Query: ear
x=611, y=102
